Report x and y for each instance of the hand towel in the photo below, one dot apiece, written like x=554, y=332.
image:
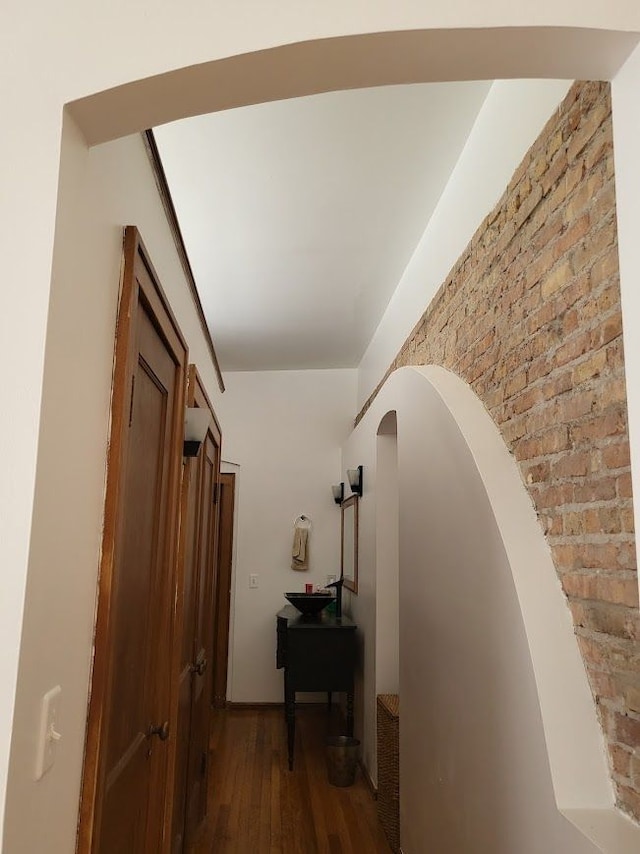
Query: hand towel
x=300, y=550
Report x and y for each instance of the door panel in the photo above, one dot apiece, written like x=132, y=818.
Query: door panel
x=199, y=566
x=191, y=492
x=132, y=761
x=223, y=592
x=201, y=684
x=126, y=766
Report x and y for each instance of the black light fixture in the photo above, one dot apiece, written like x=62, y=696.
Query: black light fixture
x=355, y=480
x=338, y=492
x=196, y=424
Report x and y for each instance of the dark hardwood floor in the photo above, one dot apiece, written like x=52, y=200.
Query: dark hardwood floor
x=258, y=806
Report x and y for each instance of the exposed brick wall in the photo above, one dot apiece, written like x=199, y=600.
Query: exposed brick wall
x=530, y=316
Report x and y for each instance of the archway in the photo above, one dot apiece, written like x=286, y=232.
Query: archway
x=387, y=556
x=499, y=733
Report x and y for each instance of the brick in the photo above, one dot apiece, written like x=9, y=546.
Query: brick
x=621, y=761
x=557, y=384
x=603, y=204
x=606, y=267
x=602, y=684
x=566, y=557
x=611, y=423
x=603, y=520
x=611, y=328
x=618, y=591
x=623, y=486
x=632, y=698
x=584, y=254
x=557, y=279
x=605, y=618
x=572, y=406
x=515, y=383
x=627, y=730
x=613, y=654
x=628, y=522
x=554, y=144
x=581, y=199
x=592, y=123
x=575, y=347
x=599, y=555
x=617, y=456
x=574, y=233
x=525, y=401
x=613, y=392
x=601, y=147
x=590, y=368
x=602, y=489
x=629, y=800
x=553, y=440
x=551, y=498
x=571, y=464
x=579, y=288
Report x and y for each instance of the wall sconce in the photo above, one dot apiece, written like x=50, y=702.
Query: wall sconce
x=196, y=424
x=355, y=480
x=338, y=492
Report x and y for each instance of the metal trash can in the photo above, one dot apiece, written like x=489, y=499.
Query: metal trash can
x=342, y=759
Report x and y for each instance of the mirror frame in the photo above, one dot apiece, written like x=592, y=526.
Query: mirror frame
x=348, y=582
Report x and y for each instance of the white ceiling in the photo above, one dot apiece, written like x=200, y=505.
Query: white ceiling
x=300, y=216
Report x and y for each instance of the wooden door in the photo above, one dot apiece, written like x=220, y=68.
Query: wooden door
x=223, y=596
x=127, y=758
x=199, y=550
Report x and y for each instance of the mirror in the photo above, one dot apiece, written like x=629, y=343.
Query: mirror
x=349, y=511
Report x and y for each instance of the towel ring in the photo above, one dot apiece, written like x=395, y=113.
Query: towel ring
x=302, y=521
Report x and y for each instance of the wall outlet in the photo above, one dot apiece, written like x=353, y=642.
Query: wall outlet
x=330, y=579
x=253, y=581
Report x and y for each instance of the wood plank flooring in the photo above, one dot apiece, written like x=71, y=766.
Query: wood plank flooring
x=258, y=806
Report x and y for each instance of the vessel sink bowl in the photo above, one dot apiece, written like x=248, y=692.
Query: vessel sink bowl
x=309, y=603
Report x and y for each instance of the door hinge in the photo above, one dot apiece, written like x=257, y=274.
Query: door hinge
x=217, y=492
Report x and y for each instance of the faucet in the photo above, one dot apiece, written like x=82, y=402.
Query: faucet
x=338, y=585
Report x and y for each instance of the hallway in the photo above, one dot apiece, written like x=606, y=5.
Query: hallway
x=257, y=806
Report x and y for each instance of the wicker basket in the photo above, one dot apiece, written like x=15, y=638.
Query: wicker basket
x=388, y=768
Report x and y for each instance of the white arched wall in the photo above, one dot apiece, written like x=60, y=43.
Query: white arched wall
x=500, y=742
x=196, y=58
x=387, y=557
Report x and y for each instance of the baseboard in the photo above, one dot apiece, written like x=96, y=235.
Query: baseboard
x=265, y=706
x=367, y=779
x=252, y=706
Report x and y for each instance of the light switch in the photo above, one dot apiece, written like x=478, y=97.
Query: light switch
x=49, y=734
x=253, y=580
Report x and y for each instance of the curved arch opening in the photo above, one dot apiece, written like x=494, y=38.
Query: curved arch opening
x=500, y=740
x=387, y=556
x=351, y=62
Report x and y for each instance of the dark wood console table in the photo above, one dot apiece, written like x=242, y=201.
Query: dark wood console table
x=317, y=654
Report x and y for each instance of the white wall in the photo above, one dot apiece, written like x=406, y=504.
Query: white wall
x=100, y=192
x=499, y=734
x=52, y=54
x=284, y=430
x=510, y=120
